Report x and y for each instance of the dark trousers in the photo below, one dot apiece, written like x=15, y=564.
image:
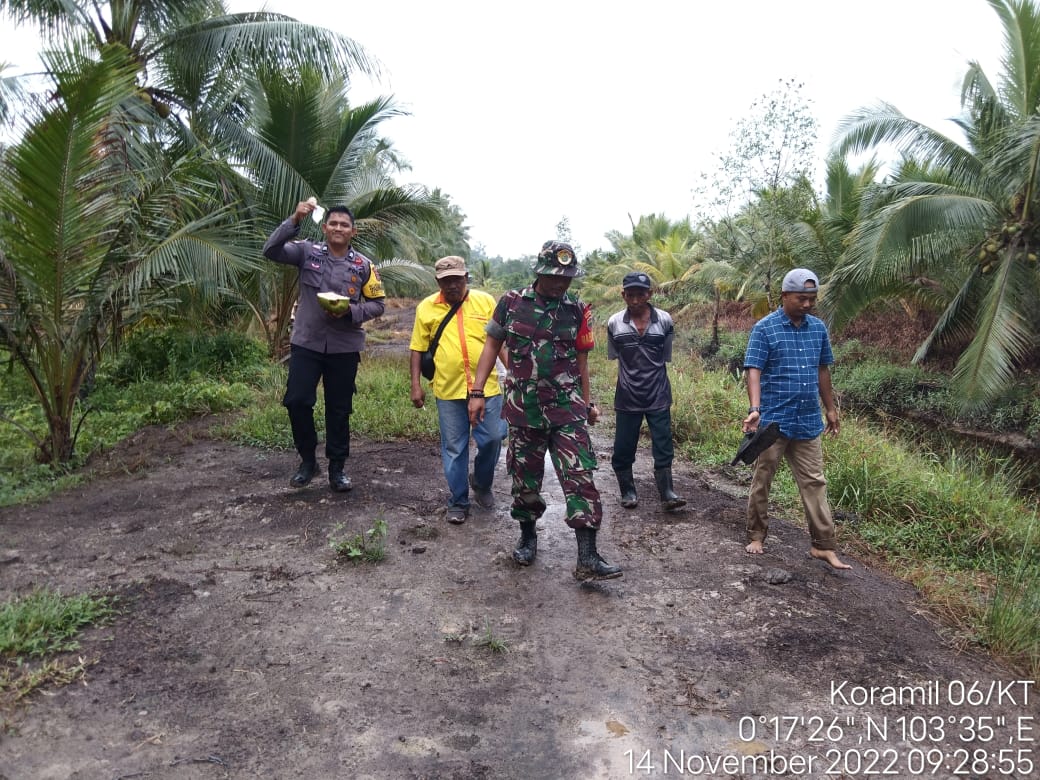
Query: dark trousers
x=626, y=438
x=337, y=373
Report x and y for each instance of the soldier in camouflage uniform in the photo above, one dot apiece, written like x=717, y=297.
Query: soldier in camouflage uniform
x=548, y=335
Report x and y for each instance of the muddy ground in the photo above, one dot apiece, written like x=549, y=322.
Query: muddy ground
x=246, y=649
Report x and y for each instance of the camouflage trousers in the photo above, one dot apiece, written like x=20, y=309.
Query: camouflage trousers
x=570, y=450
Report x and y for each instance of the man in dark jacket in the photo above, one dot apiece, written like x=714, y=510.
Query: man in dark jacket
x=325, y=345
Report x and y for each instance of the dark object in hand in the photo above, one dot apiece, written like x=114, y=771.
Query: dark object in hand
x=426, y=365
x=755, y=443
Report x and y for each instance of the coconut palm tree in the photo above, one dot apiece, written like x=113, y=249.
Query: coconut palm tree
x=956, y=225
x=818, y=235
x=428, y=241
x=95, y=219
x=762, y=241
x=657, y=246
x=186, y=48
x=196, y=65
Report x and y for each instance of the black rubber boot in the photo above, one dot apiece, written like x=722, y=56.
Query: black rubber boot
x=527, y=547
x=629, y=499
x=669, y=501
x=590, y=565
x=304, y=474
x=338, y=481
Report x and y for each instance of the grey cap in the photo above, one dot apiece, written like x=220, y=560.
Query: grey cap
x=800, y=280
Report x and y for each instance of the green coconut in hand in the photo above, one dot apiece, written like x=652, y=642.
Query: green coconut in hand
x=333, y=303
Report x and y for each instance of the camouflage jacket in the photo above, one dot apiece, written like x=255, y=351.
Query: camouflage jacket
x=543, y=337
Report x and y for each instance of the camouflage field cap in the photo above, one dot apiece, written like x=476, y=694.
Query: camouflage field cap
x=557, y=259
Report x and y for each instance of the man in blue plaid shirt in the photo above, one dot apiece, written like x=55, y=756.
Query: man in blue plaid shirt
x=788, y=373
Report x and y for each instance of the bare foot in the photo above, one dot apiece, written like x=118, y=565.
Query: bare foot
x=754, y=548
x=828, y=556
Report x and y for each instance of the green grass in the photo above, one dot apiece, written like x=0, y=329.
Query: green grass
x=41, y=624
x=887, y=389
x=915, y=505
x=112, y=414
x=383, y=408
x=119, y=406
x=368, y=545
x=1012, y=620
x=45, y=622
x=162, y=377
x=490, y=640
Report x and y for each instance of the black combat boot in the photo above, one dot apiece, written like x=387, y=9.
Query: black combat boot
x=629, y=499
x=590, y=565
x=669, y=501
x=527, y=547
x=338, y=481
x=304, y=474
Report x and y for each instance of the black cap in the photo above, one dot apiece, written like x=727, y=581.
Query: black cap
x=635, y=279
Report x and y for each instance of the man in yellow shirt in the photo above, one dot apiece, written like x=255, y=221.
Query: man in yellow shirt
x=458, y=350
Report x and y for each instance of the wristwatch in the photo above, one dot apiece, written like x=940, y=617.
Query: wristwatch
x=754, y=409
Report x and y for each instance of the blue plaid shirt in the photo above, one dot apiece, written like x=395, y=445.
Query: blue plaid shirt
x=789, y=358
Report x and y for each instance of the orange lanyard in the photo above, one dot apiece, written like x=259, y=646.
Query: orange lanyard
x=464, y=346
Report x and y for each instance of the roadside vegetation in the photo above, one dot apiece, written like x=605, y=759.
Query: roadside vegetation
x=161, y=377
x=37, y=632
x=368, y=545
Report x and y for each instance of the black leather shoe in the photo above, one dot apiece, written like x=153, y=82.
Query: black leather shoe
x=339, y=482
x=304, y=474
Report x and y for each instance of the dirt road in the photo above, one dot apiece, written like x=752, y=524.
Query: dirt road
x=246, y=649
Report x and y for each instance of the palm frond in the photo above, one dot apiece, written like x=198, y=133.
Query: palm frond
x=1019, y=87
x=1004, y=334
x=402, y=277
x=265, y=41
x=869, y=128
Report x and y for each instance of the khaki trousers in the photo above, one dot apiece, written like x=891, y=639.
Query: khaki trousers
x=805, y=457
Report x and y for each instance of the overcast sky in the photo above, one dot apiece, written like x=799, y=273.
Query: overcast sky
x=528, y=112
